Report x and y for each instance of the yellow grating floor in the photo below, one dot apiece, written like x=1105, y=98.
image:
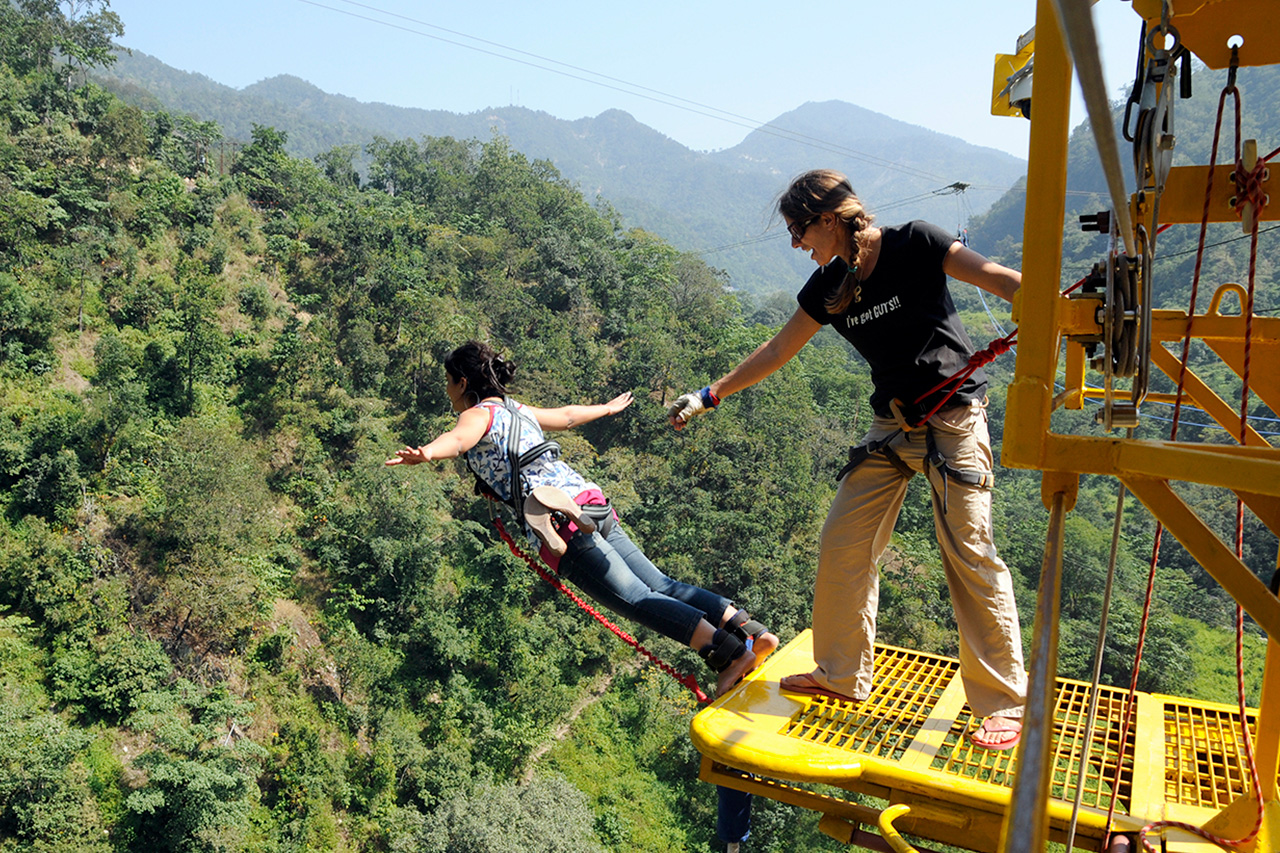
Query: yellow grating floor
x=1205, y=760
x=1181, y=759
x=908, y=686
x=961, y=758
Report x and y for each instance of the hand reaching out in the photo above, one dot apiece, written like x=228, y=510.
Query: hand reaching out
x=410, y=456
x=618, y=403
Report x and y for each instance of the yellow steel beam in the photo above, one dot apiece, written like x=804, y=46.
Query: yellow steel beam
x=1268, y=745
x=1205, y=26
x=718, y=774
x=1204, y=397
x=1171, y=325
x=1073, y=395
x=1147, y=797
x=1208, y=550
x=1077, y=318
x=1252, y=469
x=1264, y=378
x=1183, y=198
x=1030, y=399
x=1265, y=507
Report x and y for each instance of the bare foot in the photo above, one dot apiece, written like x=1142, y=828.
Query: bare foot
x=735, y=671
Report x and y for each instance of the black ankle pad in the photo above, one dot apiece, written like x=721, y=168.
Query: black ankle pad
x=743, y=626
x=723, y=649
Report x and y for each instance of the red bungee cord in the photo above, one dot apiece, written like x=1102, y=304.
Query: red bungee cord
x=687, y=680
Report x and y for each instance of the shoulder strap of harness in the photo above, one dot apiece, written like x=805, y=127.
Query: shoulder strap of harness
x=516, y=460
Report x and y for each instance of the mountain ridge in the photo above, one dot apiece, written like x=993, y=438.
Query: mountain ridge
x=718, y=204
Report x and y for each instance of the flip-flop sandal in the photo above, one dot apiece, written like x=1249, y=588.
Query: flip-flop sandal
x=812, y=688
x=977, y=738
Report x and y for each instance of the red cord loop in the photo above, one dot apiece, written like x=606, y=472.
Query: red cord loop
x=1249, y=186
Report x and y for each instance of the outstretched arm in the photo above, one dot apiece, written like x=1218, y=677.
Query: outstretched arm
x=568, y=417
x=766, y=359
x=469, y=430
x=964, y=264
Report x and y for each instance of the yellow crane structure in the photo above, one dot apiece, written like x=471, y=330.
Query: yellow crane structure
x=1081, y=771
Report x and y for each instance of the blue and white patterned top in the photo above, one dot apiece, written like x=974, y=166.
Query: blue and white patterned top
x=490, y=461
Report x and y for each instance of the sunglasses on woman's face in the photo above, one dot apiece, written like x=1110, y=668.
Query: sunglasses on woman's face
x=797, y=229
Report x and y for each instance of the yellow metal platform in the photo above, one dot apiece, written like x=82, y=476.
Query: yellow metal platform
x=1183, y=759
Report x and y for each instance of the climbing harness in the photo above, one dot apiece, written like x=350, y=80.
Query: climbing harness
x=601, y=514
x=934, y=458
x=516, y=461
x=687, y=680
x=726, y=646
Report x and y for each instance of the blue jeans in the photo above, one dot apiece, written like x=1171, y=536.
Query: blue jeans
x=614, y=572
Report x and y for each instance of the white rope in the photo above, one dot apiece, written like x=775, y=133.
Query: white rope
x=1097, y=672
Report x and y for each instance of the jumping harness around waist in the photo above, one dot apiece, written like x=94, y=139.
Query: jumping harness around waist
x=933, y=457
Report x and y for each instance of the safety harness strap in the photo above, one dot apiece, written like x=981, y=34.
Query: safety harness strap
x=969, y=476
x=859, y=453
x=516, y=460
x=933, y=457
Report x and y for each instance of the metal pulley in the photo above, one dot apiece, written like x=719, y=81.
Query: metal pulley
x=1153, y=138
x=1118, y=350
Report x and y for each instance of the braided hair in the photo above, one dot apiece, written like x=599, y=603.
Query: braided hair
x=828, y=191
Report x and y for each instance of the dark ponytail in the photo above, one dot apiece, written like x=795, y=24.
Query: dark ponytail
x=486, y=372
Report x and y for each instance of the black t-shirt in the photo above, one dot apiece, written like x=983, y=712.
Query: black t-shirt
x=902, y=320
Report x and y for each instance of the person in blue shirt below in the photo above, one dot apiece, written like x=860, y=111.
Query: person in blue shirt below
x=884, y=289
x=597, y=557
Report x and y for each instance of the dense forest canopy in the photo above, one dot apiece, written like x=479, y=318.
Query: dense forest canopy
x=225, y=626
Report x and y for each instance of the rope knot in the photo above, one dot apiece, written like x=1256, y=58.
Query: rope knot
x=996, y=348
x=1249, y=187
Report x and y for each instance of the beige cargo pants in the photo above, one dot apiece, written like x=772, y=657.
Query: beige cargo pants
x=856, y=532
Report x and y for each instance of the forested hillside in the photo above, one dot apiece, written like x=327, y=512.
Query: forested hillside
x=225, y=626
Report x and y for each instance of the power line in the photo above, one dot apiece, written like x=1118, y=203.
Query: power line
x=957, y=187
x=658, y=96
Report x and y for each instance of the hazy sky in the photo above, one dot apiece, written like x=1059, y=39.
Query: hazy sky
x=703, y=73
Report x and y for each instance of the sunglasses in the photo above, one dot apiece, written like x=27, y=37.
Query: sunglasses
x=797, y=229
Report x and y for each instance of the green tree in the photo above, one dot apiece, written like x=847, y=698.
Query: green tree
x=547, y=816
x=199, y=778
x=201, y=346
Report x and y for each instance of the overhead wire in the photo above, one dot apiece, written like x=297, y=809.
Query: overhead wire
x=617, y=85
x=770, y=235
x=699, y=108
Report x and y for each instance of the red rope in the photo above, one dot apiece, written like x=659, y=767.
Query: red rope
x=996, y=348
x=1246, y=184
x=1130, y=703
x=687, y=680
